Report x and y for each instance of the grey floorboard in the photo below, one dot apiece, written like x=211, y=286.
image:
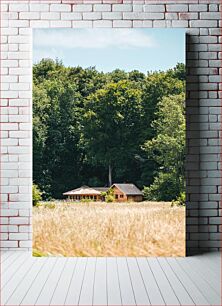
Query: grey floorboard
x=152, y=288
x=62, y=287
x=213, y=279
x=4, y=255
x=140, y=291
x=212, y=260
x=47, y=291
x=86, y=295
x=166, y=289
x=208, y=292
x=188, y=283
x=36, y=287
x=100, y=282
x=10, y=261
x=75, y=286
x=14, y=269
x=20, y=291
x=181, y=293
x=126, y=289
x=113, y=286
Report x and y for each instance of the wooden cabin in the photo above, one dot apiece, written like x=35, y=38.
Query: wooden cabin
x=86, y=192
x=122, y=193
x=127, y=193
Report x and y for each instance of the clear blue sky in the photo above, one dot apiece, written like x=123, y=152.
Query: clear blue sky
x=108, y=49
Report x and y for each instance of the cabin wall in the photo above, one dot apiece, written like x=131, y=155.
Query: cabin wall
x=121, y=196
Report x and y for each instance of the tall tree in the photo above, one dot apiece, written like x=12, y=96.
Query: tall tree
x=111, y=125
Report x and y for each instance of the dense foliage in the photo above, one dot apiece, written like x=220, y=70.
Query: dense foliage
x=95, y=128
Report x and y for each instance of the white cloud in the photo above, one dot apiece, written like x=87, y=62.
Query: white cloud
x=92, y=38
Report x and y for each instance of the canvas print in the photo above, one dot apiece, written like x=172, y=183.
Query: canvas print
x=109, y=142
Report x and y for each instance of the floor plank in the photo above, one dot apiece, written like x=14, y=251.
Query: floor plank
x=188, y=283
x=10, y=261
x=61, y=290
x=213, y=279
x=36, y=287
x=208, y=292
x=47, y=291
x=14, y=269
x=100, y=283
x=126, y=289
x=139, y=288
x=75, y=286
x=5, y=255
x=86, y=294
x=152, y=288
x=166, y=289
x=212, y=260
x=113, y=286
x=180, y=291
x=16, y=297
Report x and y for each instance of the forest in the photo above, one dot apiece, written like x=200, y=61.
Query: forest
x=94, y=128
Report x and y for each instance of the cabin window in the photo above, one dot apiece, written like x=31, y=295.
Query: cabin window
x=121, y=196
x=116, y=196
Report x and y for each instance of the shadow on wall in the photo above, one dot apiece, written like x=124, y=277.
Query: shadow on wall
x=192, y=166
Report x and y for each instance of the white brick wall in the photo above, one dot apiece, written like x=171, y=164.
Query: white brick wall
x=202, y=20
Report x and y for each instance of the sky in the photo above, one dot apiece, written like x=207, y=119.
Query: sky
x=108, y=49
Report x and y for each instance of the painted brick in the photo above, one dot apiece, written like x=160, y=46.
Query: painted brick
x=71, y=16
x=29, y=15
x=122, y=23
x=51, y=16
x=177, y=8
x=18, y=236
x=112, y=15
x=19, y=220
x=102, y=7
x=20, y=7
x=60, y=8
x=122, y=8
x=60, y=24
x=187, y=16
x=102, y=23
x=198, y=7
x=8, y=244
x=154, y=8
x=180, y=23
x=82, y=24
x=39, y=24
x=135, y=15
x=203, y=23
x=207, y=16
x=36, y=7
x=92, y=15
x=82, y=8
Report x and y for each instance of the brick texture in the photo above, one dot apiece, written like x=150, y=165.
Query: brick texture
x=203, y=105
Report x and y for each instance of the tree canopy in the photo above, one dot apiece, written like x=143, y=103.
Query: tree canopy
x=92, y=128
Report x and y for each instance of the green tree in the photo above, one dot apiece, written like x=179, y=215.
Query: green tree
x=111, y=125
x=167, y=148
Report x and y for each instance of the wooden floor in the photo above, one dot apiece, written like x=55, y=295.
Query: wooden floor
x=27, y=280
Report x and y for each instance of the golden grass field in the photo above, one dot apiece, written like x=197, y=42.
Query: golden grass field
x=101, y=229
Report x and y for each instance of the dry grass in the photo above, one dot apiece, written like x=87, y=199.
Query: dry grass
x=100, y=229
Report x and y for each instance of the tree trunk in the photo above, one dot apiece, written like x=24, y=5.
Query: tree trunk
x=110, y=176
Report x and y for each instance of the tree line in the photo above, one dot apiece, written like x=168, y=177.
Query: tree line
x=94, y=128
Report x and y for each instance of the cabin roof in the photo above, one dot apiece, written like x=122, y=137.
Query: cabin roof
x=82, y=191
x=128, y=189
